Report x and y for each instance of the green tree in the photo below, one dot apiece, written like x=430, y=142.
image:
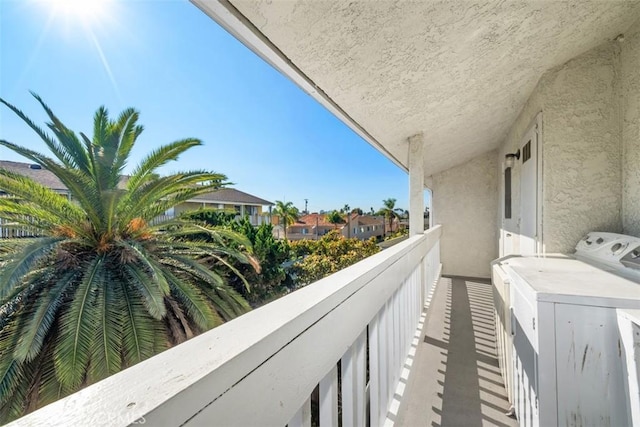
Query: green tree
x=102, y=289
x=345, y=209
x=333, y=252
x=288, y=214
x=272, y=280
x=334, y=218
x=389, y=211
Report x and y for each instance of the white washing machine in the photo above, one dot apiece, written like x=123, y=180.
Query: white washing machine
x=561, y=351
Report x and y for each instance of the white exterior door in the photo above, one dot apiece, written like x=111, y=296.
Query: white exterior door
x=529, y=192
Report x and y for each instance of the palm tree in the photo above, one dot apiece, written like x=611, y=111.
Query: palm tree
x=389, y=211
x=346, y=209
x=288, y=214
x=102, y=289
x=335, y=218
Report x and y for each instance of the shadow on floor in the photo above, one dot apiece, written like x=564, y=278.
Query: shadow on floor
x=455, y=379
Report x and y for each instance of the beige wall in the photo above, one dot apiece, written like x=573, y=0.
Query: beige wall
x=465, y=200
x=630, y=91
x=187, y=206
x=581, y=148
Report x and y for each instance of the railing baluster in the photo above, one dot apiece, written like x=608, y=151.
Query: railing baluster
x=361, y=379
x=374, y=371
x=348, y=398
x=353, y=383
x=383, y=357
x=329, y=399
x=302, y=418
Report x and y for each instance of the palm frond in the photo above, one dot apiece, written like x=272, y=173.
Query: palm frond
x=15, y=382
x=78, y=326
x=157, y=158
x=69, y=151
x=141, y=334
x=127, y=131
x=39, y=321
x=55, y=148
x=153, y=295
x=25, y=188
x=195, y=303
x=17, y=268
x=106, y=358
x=157, y=196
x=77, y=183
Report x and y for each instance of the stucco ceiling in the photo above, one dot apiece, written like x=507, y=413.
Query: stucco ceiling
x=458, y=71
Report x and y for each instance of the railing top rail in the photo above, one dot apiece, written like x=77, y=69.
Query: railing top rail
x=230, y=351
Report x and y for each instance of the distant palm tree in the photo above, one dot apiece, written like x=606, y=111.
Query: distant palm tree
x=288, y=214
x=389, y=211
x=346, y=209
x=335, y=218
x=102, y=289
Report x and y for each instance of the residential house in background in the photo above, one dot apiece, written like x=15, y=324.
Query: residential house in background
x=315, y=225
x=230, y=200
x=227, y=199
x=367, y=226
x=36, y=173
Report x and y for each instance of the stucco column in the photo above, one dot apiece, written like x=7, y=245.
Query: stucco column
x=416, y=184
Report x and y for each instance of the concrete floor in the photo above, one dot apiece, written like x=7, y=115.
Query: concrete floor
x=455, y=379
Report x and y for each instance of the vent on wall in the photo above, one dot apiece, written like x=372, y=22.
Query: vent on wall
x=526, y=152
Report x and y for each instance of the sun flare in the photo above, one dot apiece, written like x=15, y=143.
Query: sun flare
x=82, y=10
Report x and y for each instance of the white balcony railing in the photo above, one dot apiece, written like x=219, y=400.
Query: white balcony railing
x=9, y=231
x=262, y=368
x=256, y=220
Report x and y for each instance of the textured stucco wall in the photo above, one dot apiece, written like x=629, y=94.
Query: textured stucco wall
x=458, y=70
x=630, y=90
x=465, y=199
x=581, y=147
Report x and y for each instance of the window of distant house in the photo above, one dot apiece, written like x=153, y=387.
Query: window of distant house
x=368, y=228
x=355, y=230
x=237, y=208
x=305, y=231
x=507, y=193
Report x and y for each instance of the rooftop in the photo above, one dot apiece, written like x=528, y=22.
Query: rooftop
x=231, y=195
x=48, y=179
x=36, y=173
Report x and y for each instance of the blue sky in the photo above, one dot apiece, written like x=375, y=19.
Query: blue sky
x=188, y=78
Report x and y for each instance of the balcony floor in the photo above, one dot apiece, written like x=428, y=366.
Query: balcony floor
x=455, y=379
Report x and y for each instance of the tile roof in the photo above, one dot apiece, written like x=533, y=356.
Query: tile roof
x=41, y=176
x=313, y=219
x=231, y=195
x=370, y=220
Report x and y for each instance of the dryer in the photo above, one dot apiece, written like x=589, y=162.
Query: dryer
x=566, y=362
